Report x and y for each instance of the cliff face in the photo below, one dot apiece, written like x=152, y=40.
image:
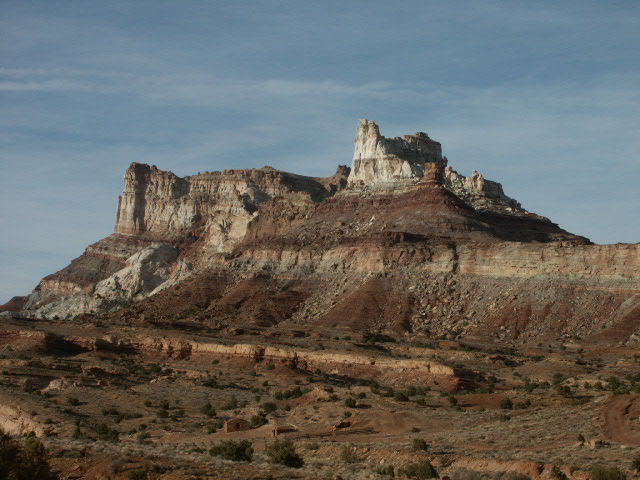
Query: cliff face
x=378, y=160
x=161, y=206
x=399, y=241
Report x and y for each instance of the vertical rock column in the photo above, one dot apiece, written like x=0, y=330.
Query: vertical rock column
x=379, y=160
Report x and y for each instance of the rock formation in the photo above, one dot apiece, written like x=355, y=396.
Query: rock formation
x=400, y=241
x=378, y=160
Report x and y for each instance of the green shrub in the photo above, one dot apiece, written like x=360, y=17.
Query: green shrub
x=420, y=444
x=284, y=453
x=506, y=404
x=137, y=475
x=236, y=451
x=420, y=471
x=73, y=401
x=269, y=407
x=350, y=402
x=288, y=394
x=563, y=390
x=388, y=471
x=28, y=460
x=210, y=382
x=348, y=454
x=208, y=410
x=600, y=472
x=401, y=396
x=231, y=404
x=257, y=421
x=107, y=434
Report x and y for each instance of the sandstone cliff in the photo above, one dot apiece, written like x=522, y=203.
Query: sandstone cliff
x=400, y=242
x=379, y=160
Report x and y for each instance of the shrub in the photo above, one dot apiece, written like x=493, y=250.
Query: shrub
x=24, y=461
x=600, y=472
x=107, y=434
x=284, y=453
x=635, y=464
x=210, y=382
x=421, y=471
x=401, y=397
x=235, y=451
x=293, y=393
x=388, y=471
x=269, y=407
x=77, y=433
x=137, y=475
x=208, y=410
x=563, y=390
x=73, y=401
x=257, y=421
x=506, y=404
x=557, y=474
x=348, y=454
x=420, y=444
x=215, y=426
x=350, y=402
x=231, y=404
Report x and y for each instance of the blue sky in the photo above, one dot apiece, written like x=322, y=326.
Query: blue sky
x=541, y=96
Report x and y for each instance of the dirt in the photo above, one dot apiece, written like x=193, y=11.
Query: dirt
x=103, y=375
x=621, y=414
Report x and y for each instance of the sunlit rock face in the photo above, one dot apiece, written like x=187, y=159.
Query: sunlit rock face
x=378, y=160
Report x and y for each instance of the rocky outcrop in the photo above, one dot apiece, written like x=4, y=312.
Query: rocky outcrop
x=218, y=205
x=380, y=161
x=98, y=262
x=14, y=421
x=391, y=370
x=480, y=193
x=143, y=273
x=14, y=305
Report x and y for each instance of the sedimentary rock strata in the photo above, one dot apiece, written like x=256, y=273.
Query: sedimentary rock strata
x=366, y=248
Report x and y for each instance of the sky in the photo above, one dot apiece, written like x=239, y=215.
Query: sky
x=542, y=96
